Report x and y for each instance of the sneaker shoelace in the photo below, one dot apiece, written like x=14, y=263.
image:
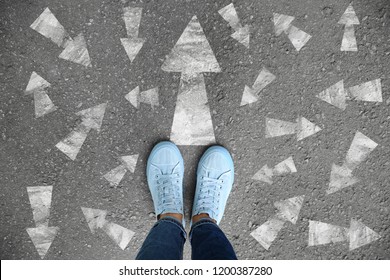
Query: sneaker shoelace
x=209, y=195
x=169, y=191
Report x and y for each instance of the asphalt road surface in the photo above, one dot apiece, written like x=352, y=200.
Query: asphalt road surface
x=298, y=91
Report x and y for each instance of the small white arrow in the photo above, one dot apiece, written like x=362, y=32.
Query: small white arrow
x=92, y=118
x=42, y=235
x=150, y=96
x=341, y=176
x=250, y=94
x=337, y=96
x=74, y=50
x=241, y=33
x=96, y=219
x=37, y=86
x=132, y=44
x=265, y=174
x=349, y=19
x=115, y=176
x=288, y=211
x=302, y=128
x=283, y=24
x=357, y=234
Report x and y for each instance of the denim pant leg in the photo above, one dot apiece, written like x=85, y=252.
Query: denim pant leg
x=208, y=242
x=165, y=241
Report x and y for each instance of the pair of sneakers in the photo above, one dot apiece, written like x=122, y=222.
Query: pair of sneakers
x=215, y=176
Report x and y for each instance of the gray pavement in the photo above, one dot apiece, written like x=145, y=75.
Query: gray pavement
x=352, y=222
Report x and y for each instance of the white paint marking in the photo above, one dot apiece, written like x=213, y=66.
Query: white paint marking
x=40, y=200
x=42, y=238
x=132, y=46
x=150, y=96
x=285, y=167
x=76, y=51
x=132, y=19
x=288, y=211
x=120, y=235
x=192, y=123
x=192, y=52
x=297, y=37
x=191, y=55
x=130, y=162
x=248, y=97
x=360, y=235
x=37, y=86
x=341, y=176
x=349, y=19
x=115, y=176
x=92, y=118
x=96, y=219
x=335, y=95
x=323, y=233
x=369, y=92
x=241, y=33
x=275, y=128
x=282, y=24
x=305, y=128
x=48, y=25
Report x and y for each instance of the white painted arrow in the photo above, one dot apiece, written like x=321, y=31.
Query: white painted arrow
x=74, y=50
x=250, y=94
x=266, y=173
x=349, y=19
x=92, y=118
x=42, y=235
x=37, y=86
x=341, y=176
x=96, y=219
x=288, y=211
x=132, y=44
x=150, y=96
x=302, y=128
x=241, y=33
x=337, y=96
x=115, y=176
x=357, y=234
x=282, y=24
x=192, y=55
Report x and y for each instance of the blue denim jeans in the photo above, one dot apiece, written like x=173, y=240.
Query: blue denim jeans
x=166, y=239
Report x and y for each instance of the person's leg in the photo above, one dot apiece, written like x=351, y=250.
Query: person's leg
x=165, y=241
x=215, y=176
x=164, y=172
x=208, y=242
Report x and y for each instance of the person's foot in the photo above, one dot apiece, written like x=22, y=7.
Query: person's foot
x=215, y=176
x=164, y=172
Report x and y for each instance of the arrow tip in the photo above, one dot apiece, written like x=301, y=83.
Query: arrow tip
x=360, y=235
x=349, y=17
x=42, y=238
x=93, y=117
x=288, y=210
x=96, y=218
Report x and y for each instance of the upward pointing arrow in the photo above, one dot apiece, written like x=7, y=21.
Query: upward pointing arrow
x=349, y=19
x=92, y=118
x=192, y=55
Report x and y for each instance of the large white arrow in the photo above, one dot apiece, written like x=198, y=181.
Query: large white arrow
x=91, y=118
x=341, y=176
x=132, y=44
x=192, y=55
x=96, y=219
x=42, y=235
x=288, y=211
x=357, y=234
x=74, y=50
x=349, y=19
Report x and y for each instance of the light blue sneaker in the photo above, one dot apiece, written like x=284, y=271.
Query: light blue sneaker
x=164, y=172
x=215, y=176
